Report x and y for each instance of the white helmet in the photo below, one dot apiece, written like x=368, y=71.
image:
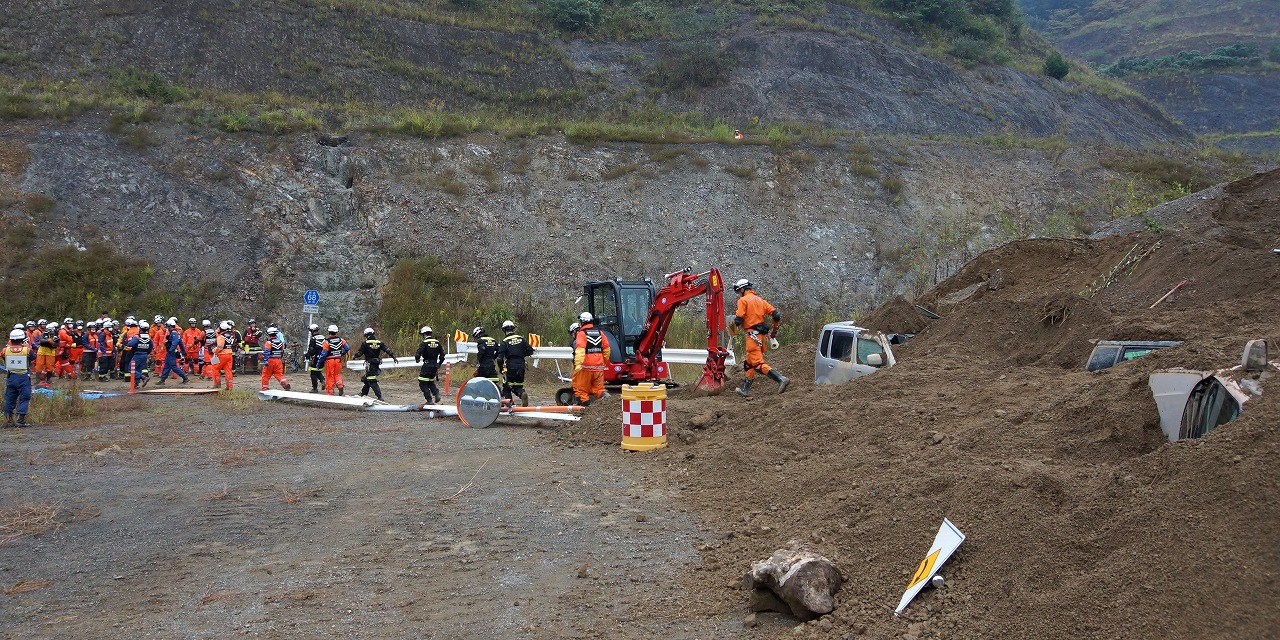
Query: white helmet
x=207, y=323
x=313, y=327
x=574, y=327
x=19, y=326
x=130, y=322
x=231, y=322
x=158, y=318
x=477, y=332
x=508, y=325
x=42, y=322
x=742, y=285
x=18, y=334
x=128, y=318
x=68, y=321
x=272, y=330
x=425, y=330
x=51, y=326
x=224, y=325
x=333, y=328
x=368, y=331
x=585, y=317
x=191, y=320
x=172, y=322
x=144, y=325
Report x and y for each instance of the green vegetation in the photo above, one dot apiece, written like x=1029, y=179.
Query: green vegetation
x=688, y=67
x=1055, y=66
x=572, y=15
x=1240, y=54
x=69, y=281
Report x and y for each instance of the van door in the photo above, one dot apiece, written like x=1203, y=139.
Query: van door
x=834, y=362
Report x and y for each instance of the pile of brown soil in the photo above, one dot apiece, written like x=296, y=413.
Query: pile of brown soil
x=1082, y=520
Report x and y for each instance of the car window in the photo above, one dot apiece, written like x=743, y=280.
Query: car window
x=867, y=347
x=1209, y=405
x=1103, y=357
x=841, y=346
x=825, y=348
x=1135, y=352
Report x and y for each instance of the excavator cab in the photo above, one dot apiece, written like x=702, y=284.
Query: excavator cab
x=620, y=308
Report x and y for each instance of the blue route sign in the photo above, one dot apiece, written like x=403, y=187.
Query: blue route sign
x=311, y=297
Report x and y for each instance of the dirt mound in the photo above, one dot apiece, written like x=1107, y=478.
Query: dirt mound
x=898, y=315
x=1083, y=521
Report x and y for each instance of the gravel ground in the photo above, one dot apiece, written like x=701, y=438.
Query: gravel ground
x=203, y=517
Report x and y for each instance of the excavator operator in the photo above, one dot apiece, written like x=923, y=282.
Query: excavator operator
x=751, y=314
x=590, y=357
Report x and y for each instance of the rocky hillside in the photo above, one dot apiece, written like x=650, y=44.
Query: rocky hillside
x=351, y=61
x=1233, y=100
x=289, y=145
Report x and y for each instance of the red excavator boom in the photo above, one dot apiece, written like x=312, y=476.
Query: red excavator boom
x=681, y=287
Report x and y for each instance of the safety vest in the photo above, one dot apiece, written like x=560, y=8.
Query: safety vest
x=335, y=345
x=15, y=359
x=144, y=344
x=91, y=341
x=594, y=341
x=273, y=348
x=226, y=341
x=210, y=338
x=105, y=343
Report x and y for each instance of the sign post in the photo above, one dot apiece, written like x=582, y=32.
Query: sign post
x=311, y=305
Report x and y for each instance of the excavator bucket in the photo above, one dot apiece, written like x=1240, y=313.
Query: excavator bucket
x=712, y=380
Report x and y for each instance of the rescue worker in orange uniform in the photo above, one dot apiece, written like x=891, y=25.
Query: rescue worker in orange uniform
x=89, y=350
x=191, y=339
x=66, y=340
x=335, y=348
x=159, y=338
x=224, y=349
x=752, y=312
x=590, y=358
x=46, y=355
x=272, y=351
x=76, y=350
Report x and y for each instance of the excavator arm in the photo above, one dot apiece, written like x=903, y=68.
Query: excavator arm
x=681, y=287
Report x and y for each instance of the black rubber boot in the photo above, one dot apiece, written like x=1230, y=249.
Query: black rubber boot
x=745, y=388
x=22, y=420
x=780, y=379
x=8, y=420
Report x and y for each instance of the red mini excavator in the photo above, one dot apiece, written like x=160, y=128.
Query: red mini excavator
x=635, y=317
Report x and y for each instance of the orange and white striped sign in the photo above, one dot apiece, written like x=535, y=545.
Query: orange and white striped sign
x=535, y=340
x=459, y=335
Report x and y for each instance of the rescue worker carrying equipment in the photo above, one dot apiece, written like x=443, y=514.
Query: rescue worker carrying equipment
x=315, y=366
x=590, y=357
x=511, y=354
x=431, y=354
x=273, y=358
x=224, y=349
x=370, y=350
x=17, y=385
x=175, y=353
x=752, y=312
x=334, y=350
x=486, y=356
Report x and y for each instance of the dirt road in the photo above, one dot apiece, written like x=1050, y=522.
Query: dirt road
x=206, y=517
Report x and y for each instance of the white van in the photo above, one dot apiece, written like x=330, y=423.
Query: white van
x=847, y=351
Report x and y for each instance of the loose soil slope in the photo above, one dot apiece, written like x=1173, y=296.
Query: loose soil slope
x=1082, y=521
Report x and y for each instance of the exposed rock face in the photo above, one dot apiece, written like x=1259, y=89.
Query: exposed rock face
x=255, y=211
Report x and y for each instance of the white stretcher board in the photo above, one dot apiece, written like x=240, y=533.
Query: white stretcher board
x=945, y=543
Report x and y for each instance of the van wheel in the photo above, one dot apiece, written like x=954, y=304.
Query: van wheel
x=564, y=397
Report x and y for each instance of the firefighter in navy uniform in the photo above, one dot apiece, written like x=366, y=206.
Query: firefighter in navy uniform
x=139, y=347
x=486, y=356
x=431, y=355
x=511, y=354
x=370, y=350
x=315, y=344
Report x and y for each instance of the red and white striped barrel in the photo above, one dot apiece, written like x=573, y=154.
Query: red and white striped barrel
x=644, y=417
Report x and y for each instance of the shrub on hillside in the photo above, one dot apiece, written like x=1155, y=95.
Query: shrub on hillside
x=1055, y=66
x=572, y=15
x=152, y=86
x=1235, y=55
x=689, y=67
x=1274, y=54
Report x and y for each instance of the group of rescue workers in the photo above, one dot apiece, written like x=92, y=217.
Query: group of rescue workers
x=132, y=349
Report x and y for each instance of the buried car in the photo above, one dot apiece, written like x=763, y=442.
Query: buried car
x=847, y=351
x=1109, y=353
x=1193, y=402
